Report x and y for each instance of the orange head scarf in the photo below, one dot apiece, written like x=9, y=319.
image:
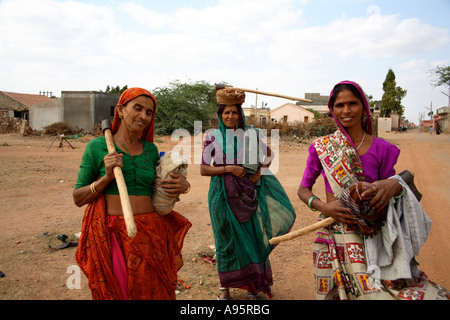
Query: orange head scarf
x=127, y=96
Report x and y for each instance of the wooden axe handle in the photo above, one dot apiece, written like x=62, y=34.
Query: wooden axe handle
x=123, y=192
x=303, y=231
x=221, y=86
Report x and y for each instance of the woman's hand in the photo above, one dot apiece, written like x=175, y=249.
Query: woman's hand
x=331, y=208
x=111, y=161
x=175, y=186
x=255, y=177
x=380, y=192
x=337, y=212
x=236, y=171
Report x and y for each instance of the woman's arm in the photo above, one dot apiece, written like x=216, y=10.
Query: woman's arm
x=331, y=208
x=210, y=171
x=85, y=195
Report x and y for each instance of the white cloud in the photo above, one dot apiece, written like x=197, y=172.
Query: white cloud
x=370, y=37
x=412, y=64
x=49, y=32
x=251, y=21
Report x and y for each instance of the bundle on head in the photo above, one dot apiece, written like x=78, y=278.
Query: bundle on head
x=230, y=96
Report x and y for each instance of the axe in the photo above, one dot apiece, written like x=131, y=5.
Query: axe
x=303, y=231
x=222, y=86
x=123, y=193
x=408, y=178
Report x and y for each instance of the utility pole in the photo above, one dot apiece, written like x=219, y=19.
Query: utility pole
x=431, y=111
x=448, y=95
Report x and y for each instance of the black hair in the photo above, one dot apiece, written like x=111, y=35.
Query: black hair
x=341, y=87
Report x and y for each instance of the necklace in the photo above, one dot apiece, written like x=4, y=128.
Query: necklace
x=131, y=157
x=359, y=144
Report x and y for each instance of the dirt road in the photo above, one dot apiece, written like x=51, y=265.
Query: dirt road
x=36, y=205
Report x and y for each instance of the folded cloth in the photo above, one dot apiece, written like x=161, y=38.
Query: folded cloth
x=172, y=162
x=405, y=231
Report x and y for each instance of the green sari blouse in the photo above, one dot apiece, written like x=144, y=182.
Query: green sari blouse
x=138, y=171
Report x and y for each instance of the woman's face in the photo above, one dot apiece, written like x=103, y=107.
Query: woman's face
x=138, y=113
x=230, y=116
x=348, y=109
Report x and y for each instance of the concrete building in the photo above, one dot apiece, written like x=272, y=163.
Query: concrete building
x=291, y=113
x=317, y=98
x=443, y=114
x=254, y=115
x=79, y=109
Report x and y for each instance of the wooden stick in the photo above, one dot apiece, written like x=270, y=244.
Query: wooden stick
x=303, y=231
x=221, y=86
x=123, y=192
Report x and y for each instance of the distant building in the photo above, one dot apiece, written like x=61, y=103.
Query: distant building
x=319, y=103
x=317, y=98
x=14, y=108
x=254, y=115
x=443, y=114
x=79, y=109
x=18, y=103
x=291, y=113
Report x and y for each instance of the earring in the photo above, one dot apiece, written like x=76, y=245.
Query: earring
x=120, y=116
x=364, y=121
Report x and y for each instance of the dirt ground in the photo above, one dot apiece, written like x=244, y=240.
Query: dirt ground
x=36, y=205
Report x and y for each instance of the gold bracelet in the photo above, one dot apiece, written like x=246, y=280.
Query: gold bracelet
x=93, y=189
x=188, y=189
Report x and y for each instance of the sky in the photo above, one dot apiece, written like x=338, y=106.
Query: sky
x=289, y=47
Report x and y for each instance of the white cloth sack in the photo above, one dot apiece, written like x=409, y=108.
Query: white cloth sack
x=172, y=162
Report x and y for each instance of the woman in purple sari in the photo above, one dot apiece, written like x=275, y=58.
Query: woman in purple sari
x=364, y=255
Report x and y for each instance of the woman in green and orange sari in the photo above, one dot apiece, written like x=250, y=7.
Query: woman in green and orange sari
x=119, y=267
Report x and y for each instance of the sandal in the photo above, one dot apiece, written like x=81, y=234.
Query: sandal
x=254, y=295
x=224, y=292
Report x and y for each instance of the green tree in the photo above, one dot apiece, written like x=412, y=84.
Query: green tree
x=116, y=89
x=180, y=104
x=391, y=101
x=441, y=77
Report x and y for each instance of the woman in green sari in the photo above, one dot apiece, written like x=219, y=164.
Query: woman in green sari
x=246, y=210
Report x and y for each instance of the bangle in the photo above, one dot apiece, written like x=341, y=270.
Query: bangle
x=401, y=194
x=310, y=200
x=188, y=189
x=93, y=189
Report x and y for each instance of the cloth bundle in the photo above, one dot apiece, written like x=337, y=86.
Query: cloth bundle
x=172, y=162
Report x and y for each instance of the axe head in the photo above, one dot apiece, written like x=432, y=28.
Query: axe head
x=106, y=125
x=218, y=86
